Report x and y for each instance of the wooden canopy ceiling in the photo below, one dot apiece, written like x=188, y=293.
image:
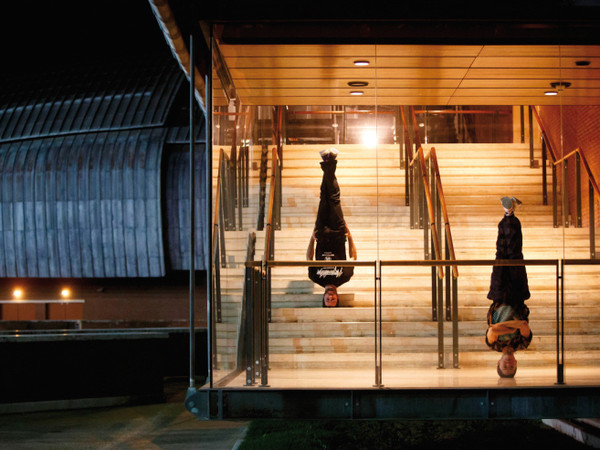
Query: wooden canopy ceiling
x=307, y=74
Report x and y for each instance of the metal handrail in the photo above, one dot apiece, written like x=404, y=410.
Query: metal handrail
x=217, y=204
x=593, y=184
x=431, y=154
x=559, y=264
x=272, y=211
x=432, y=224
x=585, y=165
x=544, y=134
x=218, y=244
x=442, y=198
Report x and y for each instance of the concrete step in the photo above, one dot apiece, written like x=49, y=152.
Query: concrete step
x=390, y=360
x=392, y=314
x=414, y=329
x=424, y=340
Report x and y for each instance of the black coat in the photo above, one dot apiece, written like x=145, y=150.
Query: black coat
x=509, y=283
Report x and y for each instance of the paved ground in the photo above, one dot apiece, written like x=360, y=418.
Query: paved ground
x=158, y=426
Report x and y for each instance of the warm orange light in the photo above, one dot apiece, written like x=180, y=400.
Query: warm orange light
x=18, y=293
x=369, y=138
x=65, y=293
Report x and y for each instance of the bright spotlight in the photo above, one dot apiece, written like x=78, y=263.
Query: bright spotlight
x=369, y=138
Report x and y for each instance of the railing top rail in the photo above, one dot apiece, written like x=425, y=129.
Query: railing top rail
x=544, y=134
x=420, y=262
x=438, y=178
x=406, y=136
x=424, y=156
x=567, y=156
x=462, y=111
x=585, y=164
x=416, y=128
x=581, y=262
x=217, y=198
x=556, y=160
x=274, y=168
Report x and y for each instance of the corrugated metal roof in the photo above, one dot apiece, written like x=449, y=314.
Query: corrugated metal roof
x=88, y=99
x=80, y=163
x=86, y=205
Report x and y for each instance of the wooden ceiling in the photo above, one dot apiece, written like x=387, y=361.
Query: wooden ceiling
x=410, y=74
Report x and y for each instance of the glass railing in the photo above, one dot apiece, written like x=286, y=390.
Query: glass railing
x=400, y=340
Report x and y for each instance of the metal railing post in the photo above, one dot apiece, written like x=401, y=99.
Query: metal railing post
x=554, y=197
x=592, y=220
x=246, y=335
x=440, y=321
x=246, y=177
x=209, y=207
x=578, y=187
x=522, y=110
x=544, y=182
x=192, y=236
x=217, y=282
x=531, y=158
x=378, y=325
x=220, y=229
x=449, y=311
x=455, y=349
x=560, y=323
x=565, y=194
x=264, y=327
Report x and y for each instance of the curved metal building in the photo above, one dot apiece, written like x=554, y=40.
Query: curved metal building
x=84, y=156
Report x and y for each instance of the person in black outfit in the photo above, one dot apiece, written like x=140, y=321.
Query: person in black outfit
x=508, y=316
x=330, y=234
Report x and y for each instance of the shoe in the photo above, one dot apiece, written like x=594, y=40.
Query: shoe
x=329, y=153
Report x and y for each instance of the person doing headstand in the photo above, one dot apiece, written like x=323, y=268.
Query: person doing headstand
x=508, y=316
x=330, y=234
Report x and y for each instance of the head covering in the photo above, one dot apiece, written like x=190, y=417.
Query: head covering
x=510, y=203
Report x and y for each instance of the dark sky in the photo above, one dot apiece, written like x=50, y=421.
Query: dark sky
x=36, y=32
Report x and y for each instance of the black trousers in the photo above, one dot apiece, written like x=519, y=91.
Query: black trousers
x=330, y=224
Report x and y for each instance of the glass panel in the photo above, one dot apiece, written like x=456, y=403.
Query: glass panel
x=446, y=204
x=581, y=353
x=237, y=200
x=571, y=122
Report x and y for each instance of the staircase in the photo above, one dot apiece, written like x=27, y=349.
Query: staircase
x=475, y=177
x=303, y=335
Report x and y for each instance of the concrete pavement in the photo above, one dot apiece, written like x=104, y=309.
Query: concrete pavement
x=157, y=426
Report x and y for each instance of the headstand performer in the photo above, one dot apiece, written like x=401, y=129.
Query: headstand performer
x=508, y=317
x=330, y=234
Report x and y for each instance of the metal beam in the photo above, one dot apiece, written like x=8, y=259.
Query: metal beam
x=375, y=404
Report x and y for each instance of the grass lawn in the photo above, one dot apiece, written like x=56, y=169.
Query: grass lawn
x=405, y=434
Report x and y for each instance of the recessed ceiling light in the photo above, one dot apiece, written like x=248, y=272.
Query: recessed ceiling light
x=358, y=83
x=550, y=93
x=560, y=85
x=582, y=63
x=356, y=92
x=361, y=62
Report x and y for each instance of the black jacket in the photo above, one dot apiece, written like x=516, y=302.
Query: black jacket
x=509, y=283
